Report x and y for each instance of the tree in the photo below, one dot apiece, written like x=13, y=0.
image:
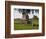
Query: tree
x=24, y=11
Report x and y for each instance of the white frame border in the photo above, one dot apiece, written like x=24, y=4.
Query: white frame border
x=26, y=31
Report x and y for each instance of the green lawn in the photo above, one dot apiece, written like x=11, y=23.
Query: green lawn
x=20, y=26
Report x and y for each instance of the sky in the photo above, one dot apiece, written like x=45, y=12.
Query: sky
x=17, y=14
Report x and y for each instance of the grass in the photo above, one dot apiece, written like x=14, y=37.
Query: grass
x=19, y=26
x=23, y=26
